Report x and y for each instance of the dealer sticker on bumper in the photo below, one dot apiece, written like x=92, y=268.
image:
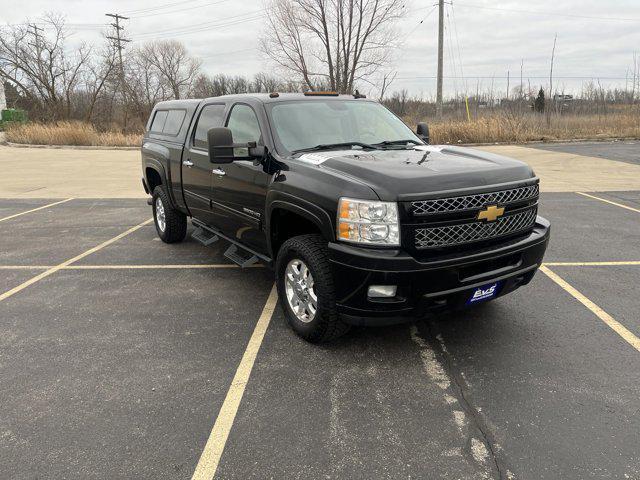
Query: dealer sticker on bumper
x=484, y=292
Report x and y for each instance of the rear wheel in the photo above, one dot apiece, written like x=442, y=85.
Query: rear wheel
x=305, y=289
x=171, y=224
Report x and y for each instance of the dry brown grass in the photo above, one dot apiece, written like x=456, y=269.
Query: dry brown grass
x=502, y=127
x=70, y=133
x=514, y=128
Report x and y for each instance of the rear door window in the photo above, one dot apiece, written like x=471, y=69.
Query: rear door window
x=211, y=116
x=174, y=122
x=159, y=121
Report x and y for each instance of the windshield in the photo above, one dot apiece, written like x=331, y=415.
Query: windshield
x=306, y=124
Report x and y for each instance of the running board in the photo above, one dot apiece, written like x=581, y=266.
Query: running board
x=237, y=252
x=233, y=254
x=204, y=237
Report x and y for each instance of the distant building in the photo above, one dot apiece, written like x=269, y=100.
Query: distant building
x=3, y=98
x=561, y=97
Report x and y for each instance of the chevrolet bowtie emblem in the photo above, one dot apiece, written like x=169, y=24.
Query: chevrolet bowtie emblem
x=491, y=213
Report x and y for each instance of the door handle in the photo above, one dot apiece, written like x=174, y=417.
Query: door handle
x=187, y=163
x=218, y=171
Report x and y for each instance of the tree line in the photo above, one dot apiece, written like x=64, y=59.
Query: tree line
x=313, y=44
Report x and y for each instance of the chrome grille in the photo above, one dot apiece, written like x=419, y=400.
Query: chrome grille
x=471, y=202
x=446, y=236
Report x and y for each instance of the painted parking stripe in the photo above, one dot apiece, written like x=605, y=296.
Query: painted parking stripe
x=612, y=323
x=213, y=266
x=591, y=264
x=609, y=201
x=66, y=263
x=35, y=209
x=129, y=267
x=210, y=457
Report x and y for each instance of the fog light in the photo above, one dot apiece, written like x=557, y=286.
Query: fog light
x=382, y=291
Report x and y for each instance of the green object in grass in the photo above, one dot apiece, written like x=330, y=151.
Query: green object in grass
x=13, y=115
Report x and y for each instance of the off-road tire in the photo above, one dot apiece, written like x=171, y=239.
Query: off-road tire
x=312, y=250
x=175, y=221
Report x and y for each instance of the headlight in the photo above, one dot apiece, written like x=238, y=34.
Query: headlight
x=368, y=222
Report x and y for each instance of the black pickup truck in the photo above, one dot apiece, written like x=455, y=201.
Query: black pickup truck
x=363, y=221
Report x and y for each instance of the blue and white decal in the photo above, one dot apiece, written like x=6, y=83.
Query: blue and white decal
x=484, y=292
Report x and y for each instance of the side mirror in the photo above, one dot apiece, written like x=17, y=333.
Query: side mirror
x=223, y=150
x=220, y=145
x=423, y=132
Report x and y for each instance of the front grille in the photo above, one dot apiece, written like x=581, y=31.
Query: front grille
x=471, y=202
x=449, y=235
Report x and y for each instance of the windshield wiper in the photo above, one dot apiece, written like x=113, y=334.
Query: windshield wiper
x=398, y=142
x=329, y=146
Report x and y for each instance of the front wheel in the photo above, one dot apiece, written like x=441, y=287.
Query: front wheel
x=171, y=224
x=305, y=289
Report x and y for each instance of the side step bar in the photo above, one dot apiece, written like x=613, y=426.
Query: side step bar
x=204, y=237
x=236, y=257
x=237, y=253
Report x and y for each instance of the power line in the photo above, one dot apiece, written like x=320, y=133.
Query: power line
x=158, y=7
x=179, y=10
x=406, y=37
x=440, y=59
x=208, y=24
x=151, y=36
x=548, y=14
x=531, y=77
x=219, y=54
x=455, y=29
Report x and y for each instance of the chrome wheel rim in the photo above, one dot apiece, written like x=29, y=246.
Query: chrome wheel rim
x=301, y=294
x=160, y=216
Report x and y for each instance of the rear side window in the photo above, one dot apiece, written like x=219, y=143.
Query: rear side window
x=211, y=116
x=158, y=121
x=174, y=122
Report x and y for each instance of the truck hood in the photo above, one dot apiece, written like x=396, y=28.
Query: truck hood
x=426, y=169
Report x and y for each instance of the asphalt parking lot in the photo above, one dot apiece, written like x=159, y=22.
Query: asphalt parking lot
x=123, y=357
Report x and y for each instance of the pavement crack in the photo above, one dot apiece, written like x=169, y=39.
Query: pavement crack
x=461, y=388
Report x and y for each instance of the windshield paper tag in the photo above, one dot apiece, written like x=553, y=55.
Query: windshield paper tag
x=429, y=148
x=317, y=158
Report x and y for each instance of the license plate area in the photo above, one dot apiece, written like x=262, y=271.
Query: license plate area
x=484, y=293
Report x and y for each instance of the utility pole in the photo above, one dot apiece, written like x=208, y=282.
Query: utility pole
x=37, y=37
x=119, y=43
x=440, y=58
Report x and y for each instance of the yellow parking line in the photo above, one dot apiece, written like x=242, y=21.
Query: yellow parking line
x=25, y=267
x=34, y=209
x=66, y=263
x=609, y=201
x=599, y=312
x=210, y=457
x=156, y=267
x=127, y=267
x=591, y=264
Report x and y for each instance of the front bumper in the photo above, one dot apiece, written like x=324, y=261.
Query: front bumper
x=428, y=286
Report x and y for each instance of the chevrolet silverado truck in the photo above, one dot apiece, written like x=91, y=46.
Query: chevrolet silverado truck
x=362, y=220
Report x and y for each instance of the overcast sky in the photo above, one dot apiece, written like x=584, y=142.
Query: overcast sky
x=596, y=39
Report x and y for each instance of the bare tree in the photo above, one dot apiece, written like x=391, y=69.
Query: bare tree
x=96, y=77
x=172, y=61
x=387, y=79
x=40, y=66
x=331, y=42
x=146, y=85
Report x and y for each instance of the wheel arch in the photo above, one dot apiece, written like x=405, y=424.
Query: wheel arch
x=154, y=176
x=289, y=217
